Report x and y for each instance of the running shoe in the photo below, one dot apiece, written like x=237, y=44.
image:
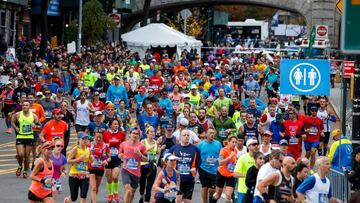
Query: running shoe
x=110, y=198
x=9, y=131
x=116, y=197
x=18, y=171
x=25, y=174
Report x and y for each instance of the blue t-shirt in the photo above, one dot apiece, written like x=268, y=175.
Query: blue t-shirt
x=309, y=184
x=152, y=120
x=209, y=153
x=92, y=127
x=188, y=158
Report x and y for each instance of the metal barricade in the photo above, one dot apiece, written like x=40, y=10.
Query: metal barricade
x=340, y=186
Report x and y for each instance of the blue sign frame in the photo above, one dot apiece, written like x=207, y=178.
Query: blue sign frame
x=305, y=77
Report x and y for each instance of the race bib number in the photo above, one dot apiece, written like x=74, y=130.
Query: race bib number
x=323, y=198
x=81, y=166
x=184, y=169
x=48, y=114
x=117, y=101
x=26, y=128
x=313, y=130
x=222, y=133
x=210, y=160
x=114, y=151
x=293, y=140
x=132, y=164
x=102, y=95
x=97, y=163
x=230, y=166
x=171, y=195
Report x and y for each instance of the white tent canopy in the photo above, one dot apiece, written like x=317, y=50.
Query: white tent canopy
x=159, y=34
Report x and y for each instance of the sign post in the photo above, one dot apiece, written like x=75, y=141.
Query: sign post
x=305, y=77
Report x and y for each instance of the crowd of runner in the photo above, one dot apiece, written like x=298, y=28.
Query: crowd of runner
x=154, y=123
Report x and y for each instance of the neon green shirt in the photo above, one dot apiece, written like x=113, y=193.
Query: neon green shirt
x=219, y=103
x=242, y=166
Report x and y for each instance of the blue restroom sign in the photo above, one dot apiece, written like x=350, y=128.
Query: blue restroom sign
x=305, y=77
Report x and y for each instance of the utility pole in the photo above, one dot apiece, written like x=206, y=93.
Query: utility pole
x=356, y=105
x=80, y=26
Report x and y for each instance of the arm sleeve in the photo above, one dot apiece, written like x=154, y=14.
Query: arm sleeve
x=308, y=184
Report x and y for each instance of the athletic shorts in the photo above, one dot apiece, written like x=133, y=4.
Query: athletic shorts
x=309, y=145
x=96, y=172
x=8, y=108
x=75, y=184
x=207, y=179
x=79, y=128
x=33, y=197
x=114, y=163
x=26, y=142
x=326, y=138
x=221, y=181
x=187, y=188
x=129, y=179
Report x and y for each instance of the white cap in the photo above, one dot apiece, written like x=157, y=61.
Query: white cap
x=38, y=64
x=251, y=141
x=193, y=86
x=39, y=94
x=20, y=74
x=184, y=122
x=206, y=64
x=169, y=156
x=186, y=96
x=98, y=113
x=8, y=82
x=217, y=67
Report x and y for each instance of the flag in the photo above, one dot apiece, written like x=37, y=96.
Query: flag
x=311, y=41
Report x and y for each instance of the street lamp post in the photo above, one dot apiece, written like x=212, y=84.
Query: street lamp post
x=80, y=26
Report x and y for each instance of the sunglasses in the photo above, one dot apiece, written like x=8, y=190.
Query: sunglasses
x=255, y=144
x=59, y=146
x=135, y=132
x=47, y=93
x=50, y=148
x=313, y=110
x=63, y=105
x=110, y=109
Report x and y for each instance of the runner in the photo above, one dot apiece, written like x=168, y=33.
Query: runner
x=60, y=166
x=293, y=132
x=79, y=158
x=82, y=108
x=242, y=166
x=54, y=128
x=149, y=167
x=117, y=92
x=316, y=188
x=42, y=176
x=132, y=152
x=209, y=150
x=251, y=175
x=48, y=104
x=167, y=182
x=276, y=159
x=282, y=181
x=186, y=165
x=113, y=138
x=101, y=153
x=8, y=105
x=314, y=128
x=23, y=122
x=225, y=172
x=223, y=125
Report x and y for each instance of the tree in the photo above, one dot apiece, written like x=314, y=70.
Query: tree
x=95, y=23
x=44, y=28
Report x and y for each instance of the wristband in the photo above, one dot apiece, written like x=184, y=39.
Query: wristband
x=42, y=181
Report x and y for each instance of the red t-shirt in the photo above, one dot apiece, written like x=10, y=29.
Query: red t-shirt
x=292, y=129
x=99, y=151
x=98, y=107
x=54, y=130
x=315, y=125
x=113, y=141
x=156, y=82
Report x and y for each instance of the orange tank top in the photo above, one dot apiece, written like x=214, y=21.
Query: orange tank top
x=39, y=189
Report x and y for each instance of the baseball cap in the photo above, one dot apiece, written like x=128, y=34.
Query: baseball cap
x=8, y=83
x=251, y=141
x=56, y=111
x=336, y=132
x=60, y=90
x=186, y=96
x=142, y=89
x=39, y=94
x=96, y=93
x=267, y=133
x=110, y=106
x=184, y=122
x=47, y=145
x=206, y=64
x=169, y=156
x=83, y=136
x=313, y=107
x=97, y=113
x=117, y=77
x=283, y=142
x=193, y=86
